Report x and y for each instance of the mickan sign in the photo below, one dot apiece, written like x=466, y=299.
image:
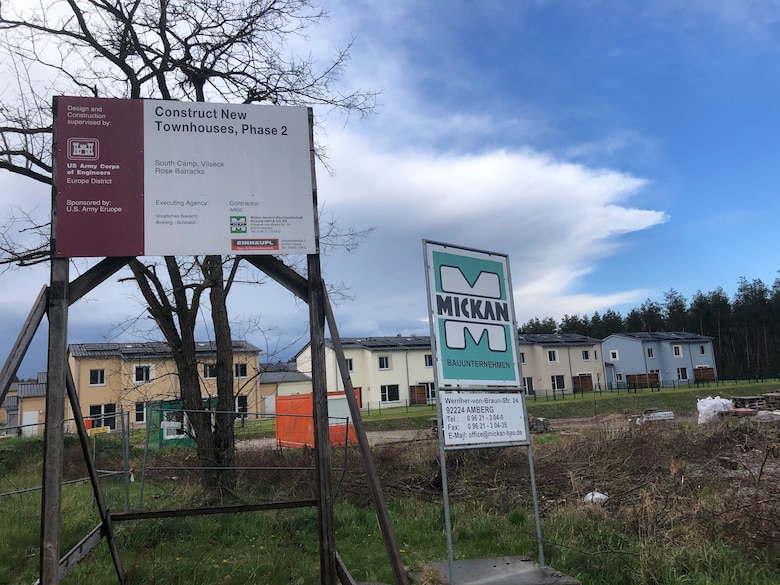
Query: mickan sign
x=472, y=317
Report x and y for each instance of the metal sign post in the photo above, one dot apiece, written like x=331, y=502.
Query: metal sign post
x=479, y=392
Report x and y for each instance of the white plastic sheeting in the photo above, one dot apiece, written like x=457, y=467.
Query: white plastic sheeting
x=709, y=408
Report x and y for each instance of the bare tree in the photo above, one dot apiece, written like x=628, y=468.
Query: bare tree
x=234, y=51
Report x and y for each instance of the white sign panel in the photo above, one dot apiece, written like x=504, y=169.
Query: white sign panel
x=230, y=179
x=476, y=418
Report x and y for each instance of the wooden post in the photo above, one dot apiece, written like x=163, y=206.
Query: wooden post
x=53, y=436
x=105, y=516
x=391, y=546
x=319, y=383
x=327, y=534
x=23, y=342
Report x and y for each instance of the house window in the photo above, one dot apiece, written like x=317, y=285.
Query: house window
x=650, y=353
x=384, y=362
x=143, y=374
x=552, y=355
x=390, y=393
x=702, y=351
x=428, y=360
x=430, y=390
x=103, y=415
x=528, y=385
x=97, y=377
x=618, y=376
x=242, y=405
x=209, y=370
x=595, y=355
x=522, y=357
x=613, y=354
x=677, y=350
x=585, y=355
x=140, y=412
x=241, y=370
x=557, y=382
x=349, y=365
x=682, y=374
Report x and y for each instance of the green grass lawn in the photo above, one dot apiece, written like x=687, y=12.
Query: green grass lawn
x=659, y=533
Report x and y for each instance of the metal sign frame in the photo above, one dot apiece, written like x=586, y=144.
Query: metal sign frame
x=481, y=394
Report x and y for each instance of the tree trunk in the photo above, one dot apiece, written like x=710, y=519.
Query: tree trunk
x=224, y=435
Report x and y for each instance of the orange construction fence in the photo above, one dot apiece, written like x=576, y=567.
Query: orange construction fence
x=295, y=420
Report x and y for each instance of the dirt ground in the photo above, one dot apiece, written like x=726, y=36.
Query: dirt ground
x=672, y=482
x=611, y=421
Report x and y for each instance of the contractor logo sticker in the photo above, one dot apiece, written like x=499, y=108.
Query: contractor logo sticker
x=237, y=224
x=254, y=244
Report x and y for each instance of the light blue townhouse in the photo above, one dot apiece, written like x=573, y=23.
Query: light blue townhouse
x=665, y=358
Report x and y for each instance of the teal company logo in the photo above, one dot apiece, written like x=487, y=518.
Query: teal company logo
x=463, y=299
x=474, y=318
x=237, y=224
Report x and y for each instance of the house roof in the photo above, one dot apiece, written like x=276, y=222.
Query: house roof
x=30, y=389
x=397, y=342
x=401, y=342
x=25, y=390
x=148, y=349
x=388, y=343
x=679, y=336
x=279, y=377
x=11, y=402
x=281, y=372
x=556, y=339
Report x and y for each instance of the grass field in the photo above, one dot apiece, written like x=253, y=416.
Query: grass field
x=688, y=504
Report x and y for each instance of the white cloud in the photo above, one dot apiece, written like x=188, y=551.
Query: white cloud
x=557, y=220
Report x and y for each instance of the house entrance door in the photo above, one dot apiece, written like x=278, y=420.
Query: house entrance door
x=30, y=423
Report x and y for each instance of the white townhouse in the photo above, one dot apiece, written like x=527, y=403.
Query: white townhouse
x=557, y=363
x=389, y=371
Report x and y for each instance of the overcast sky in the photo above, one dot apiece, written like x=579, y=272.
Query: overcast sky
x=612, y=149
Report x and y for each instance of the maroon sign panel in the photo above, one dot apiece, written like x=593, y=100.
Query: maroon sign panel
x=100, y=177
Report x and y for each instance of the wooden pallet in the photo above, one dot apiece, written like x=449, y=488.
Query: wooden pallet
x=754, y=402
x=772, y=401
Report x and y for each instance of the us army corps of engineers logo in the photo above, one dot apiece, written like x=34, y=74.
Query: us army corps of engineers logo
x=472, y=317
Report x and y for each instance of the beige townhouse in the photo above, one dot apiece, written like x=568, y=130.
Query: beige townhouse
x=388, y=371
x=560, y=363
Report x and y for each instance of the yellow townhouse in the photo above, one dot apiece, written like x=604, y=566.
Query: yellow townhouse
x=24, y=407
x=127, y=377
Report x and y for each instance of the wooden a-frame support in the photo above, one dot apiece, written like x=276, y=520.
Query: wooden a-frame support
x=55, y=301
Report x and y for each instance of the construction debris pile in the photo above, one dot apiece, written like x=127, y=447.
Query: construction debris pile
x=764, y=408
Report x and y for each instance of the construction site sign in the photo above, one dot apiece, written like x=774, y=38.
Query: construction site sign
x=165, y=178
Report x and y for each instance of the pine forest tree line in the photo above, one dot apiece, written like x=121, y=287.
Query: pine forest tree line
x=745, y=328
